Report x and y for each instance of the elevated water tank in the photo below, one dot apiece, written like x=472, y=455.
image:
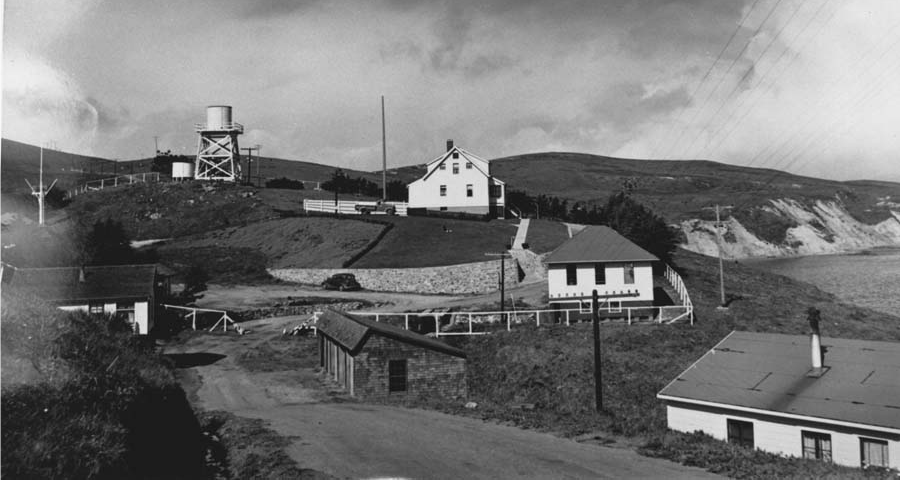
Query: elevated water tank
x=182, y=170
x=218, y=117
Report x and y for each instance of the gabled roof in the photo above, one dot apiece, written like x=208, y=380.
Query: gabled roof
x=64, y=284
x=352, y=331
x=468, y=156
x=767, y=373
x=599, y=244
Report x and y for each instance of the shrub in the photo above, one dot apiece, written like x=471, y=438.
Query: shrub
x=285, y=182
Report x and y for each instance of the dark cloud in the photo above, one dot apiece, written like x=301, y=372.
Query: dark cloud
x=264, y=9
x=626, y=106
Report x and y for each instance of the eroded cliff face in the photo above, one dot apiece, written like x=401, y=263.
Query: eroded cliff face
x=821, y=228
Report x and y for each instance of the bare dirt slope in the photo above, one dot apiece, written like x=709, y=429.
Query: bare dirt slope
x=350, y=439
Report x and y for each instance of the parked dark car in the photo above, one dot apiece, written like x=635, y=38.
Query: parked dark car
x=341, y=281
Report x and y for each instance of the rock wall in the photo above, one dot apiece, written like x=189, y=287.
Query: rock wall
x=479, y=277
x=823, y=228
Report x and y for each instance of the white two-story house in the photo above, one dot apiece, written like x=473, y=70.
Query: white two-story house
x=598, y=258
x=458, y=181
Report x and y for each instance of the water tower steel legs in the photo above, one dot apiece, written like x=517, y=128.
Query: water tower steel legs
x=218, y=156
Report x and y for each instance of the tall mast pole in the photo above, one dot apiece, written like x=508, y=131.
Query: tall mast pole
x=383, y=155
x=41, y=190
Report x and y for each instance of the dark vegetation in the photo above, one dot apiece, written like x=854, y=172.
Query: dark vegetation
x=285, y=183
x=340, y=182
x=551, y=367
x=765, y=225
x=162, y=162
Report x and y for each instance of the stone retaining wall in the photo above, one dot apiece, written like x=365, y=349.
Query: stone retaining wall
x=479, y=277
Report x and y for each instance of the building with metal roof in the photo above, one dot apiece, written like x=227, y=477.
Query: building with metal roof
x=126, y=290
x=765, y=391
x=599, y=258
x=378, y=360
x=458, y=181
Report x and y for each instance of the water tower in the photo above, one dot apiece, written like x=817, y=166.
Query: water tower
x=218, y=154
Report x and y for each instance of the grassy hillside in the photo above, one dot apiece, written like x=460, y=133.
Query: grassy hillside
x=552, y=367
x=21, y=160
x=680, y=189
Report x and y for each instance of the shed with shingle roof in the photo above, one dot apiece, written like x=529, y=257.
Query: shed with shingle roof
x=126, y=290
x=760, y=389
x=599, y=258
x=378, y=360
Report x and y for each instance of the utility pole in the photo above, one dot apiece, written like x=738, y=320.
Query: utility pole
x=598, y=365
x=156, y=143
x=722, y=305
x=250, y=163
x=258, y=160
x=383, y=155
x=503, y=256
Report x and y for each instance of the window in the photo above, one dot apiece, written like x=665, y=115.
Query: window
x=599, y=273
x=443, y=190
x=571, y=275
x=443, y=166
x=469, y=190
x=468, y=165
x=397, y=375
x=740, y=433
x=95, y=308
x=629, y=273
x=874, y=453
x=455, y=168
x=443, y=209
x=455, y=154
x=496, y=191
x=125, y=310
x=585, y=306
x=816, y=445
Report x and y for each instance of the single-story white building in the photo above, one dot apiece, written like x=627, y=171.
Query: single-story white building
x=598, y=258
x=126, y=290
x=458, y=181
x=764, y=391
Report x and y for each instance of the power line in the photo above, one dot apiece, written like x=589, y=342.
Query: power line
x=708, y=71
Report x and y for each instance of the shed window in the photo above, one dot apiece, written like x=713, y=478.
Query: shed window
x=571, y=275
x=599, y=273
x=740, y=433
x=95, y=308
x=443, y=190
x=397, y=375
x=469, y=190
x=816, y=445
x=455, y=168
x=629, y=273
x=874, y=453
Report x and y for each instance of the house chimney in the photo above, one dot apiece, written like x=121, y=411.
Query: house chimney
x=81, y=274
x=815, y=341
x=449, y=144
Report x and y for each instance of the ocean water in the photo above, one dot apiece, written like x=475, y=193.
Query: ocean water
x=869, y=279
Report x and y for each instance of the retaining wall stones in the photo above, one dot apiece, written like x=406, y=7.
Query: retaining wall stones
x=478, y=277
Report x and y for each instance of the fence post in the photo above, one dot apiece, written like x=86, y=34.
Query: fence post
x=406, y=320
x=567, y=317
x=437, y=326
x=629, y=315
x=508, y=324
x=116, y=182
x=470, y=323
x=102, y=181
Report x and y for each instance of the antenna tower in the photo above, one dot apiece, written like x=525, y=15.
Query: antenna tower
x=218, y=154
x=39, y=192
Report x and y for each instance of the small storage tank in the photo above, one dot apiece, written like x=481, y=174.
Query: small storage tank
x=182, y=171
x=218, y=117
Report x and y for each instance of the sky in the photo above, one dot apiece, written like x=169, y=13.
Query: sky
x=807, y=86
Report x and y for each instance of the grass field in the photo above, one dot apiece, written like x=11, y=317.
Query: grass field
x=423, y=242
x=545, y=235
x=552, y=367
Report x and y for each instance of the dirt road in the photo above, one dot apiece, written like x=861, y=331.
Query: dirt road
x=337, y=435
x=244, y=297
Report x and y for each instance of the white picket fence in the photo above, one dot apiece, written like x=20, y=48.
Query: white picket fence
x=347, y=207
x=114, y=182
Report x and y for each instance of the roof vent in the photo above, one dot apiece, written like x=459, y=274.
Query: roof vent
x=815, y=344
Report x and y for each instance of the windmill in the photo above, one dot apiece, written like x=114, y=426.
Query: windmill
x=39, y=192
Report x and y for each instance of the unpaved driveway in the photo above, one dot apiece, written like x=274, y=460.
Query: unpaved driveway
x=345, y=438
x=243, y=297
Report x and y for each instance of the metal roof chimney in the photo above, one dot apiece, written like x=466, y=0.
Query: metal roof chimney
x=815, y=341
x=449, y=144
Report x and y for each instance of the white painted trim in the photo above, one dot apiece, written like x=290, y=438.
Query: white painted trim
x=876, y=428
